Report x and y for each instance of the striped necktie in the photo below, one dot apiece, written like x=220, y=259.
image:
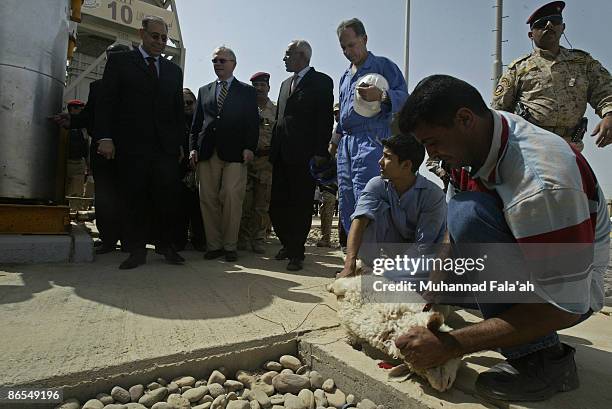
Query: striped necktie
x=222, y=95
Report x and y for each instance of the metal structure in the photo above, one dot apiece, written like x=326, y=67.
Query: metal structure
x=497, y=61
x=105, y=22
x=407, y=43
x=34, y=41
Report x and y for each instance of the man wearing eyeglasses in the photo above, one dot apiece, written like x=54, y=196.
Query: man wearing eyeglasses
x=551, y=86
x=224, y=137
x=140, y=124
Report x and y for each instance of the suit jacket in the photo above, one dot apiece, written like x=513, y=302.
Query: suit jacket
x=86, y=118
x=142, y=114
x=230, y=131
x=304, y=119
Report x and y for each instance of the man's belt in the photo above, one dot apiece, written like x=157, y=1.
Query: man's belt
x=569, y=133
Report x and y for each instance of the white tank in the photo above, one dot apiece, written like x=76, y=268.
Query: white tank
x=33, y=44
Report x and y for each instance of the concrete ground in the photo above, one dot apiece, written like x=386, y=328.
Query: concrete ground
x=87, y=325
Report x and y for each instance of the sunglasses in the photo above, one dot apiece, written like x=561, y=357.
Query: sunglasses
x=157, y=36
x=220, y=60
x=541, y=23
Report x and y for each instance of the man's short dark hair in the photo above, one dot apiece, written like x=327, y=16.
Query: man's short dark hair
x=153, y=19
x=353, y=23
x=435, y=101
x=406, y=147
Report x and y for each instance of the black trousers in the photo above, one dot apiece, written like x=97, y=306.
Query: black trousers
x=189, y=226
x=291, y=205
x=149, y=186
x=107, y=199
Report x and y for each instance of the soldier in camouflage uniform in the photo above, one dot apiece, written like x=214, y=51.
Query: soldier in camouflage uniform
x=255, y=218
x=551, y=86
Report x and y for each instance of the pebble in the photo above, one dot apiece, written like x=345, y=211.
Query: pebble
x=231, y=396
x=238, y=404
x=307, y=397
x=328, y=385
x=206, y=399
x=336, y=399
x=255, y=404
x=245, y=377
x=303, y=370
x=200, y=383
x=206, y=405
x=216, y=377
x=366, y=404
x=268, y=389
x=184, y=389
x=134, y=405
x=184, y=381
x=105, y=398
x=350, y=398
x=179, y=402
x=293, y=402
x=268, y=376
x=233, y=386
x=136, y=392
x=93, y=404
x=219, y=402
x=320, y=398
x=273, y=366
x=162, y=405
x=162, y=381
x=316, y=380
x=287, y=371
x=173, y=388
x=278, y=407
x=290, y=383
x=151, y=398
x=120, y=395
x=290, y=362
x=70, y=404
x=113, y=406
x=195, y=394
x=277, y=400
x=261, y=397
x=153, y=385
x=214, y=389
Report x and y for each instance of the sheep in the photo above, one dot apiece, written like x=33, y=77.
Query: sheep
x=380, y=324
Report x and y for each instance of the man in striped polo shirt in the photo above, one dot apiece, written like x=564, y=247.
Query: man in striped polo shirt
x=513, y=182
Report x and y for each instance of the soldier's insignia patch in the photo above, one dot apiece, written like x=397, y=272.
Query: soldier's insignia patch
x=501, y=87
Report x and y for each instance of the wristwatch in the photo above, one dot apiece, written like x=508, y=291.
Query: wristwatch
x=384, y=98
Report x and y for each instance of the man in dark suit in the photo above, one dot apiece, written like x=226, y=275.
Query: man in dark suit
x=224, y=136
x=108, y=220
x=139, y=122
x=302, y=133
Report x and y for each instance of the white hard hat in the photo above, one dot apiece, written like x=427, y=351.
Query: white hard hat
x=363, y=107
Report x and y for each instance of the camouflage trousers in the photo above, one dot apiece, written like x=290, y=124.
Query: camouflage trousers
x=255, y=217
x=326, y=211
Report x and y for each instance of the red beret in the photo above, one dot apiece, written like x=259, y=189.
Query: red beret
x=550, y=9
x=260, y=77
x=75, y=103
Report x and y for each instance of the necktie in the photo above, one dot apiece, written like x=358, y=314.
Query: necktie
x=294, y=82
x=222, y=95
x=152, y=67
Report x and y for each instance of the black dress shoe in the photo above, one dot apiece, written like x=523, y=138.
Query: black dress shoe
x=103, y=249
x=213, y=254
x=231, y=255
x=133, y=261
x=282, y=254
x=172, y=257
x=295, y=264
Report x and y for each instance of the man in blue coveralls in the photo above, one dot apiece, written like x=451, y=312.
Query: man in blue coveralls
x=360, y=147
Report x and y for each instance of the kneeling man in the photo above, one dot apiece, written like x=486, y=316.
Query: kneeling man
x=400, y=206
x=518, y=184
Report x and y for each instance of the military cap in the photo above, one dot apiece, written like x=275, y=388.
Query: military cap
x=554, y=8
x=260, y=77
x=75, y=103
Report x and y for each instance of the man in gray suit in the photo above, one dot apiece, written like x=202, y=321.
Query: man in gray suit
x=223, y=138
